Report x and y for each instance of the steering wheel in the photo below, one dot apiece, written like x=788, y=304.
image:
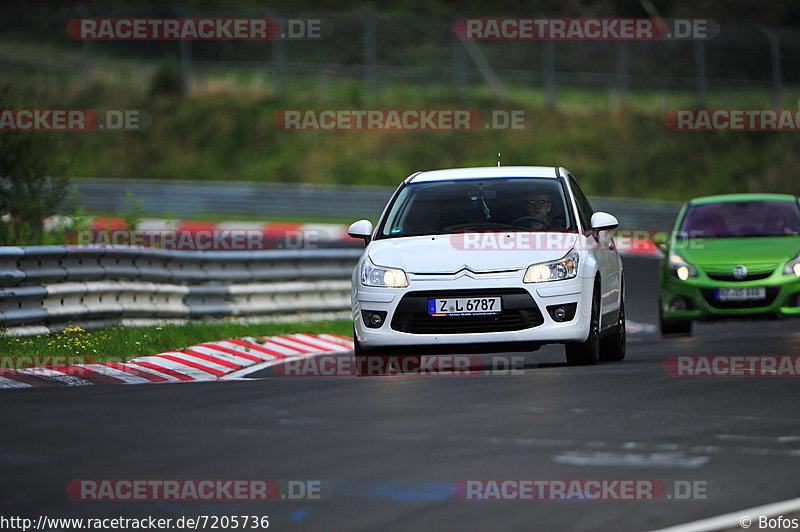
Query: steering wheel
x=544, y=223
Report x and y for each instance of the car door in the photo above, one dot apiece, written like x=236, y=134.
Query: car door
x=606, y=255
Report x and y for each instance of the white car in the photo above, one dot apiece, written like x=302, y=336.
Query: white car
x=489, y=259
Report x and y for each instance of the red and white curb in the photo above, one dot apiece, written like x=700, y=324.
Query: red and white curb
x=203, y=362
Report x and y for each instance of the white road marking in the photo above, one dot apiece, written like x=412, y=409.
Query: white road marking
x=151, y=371
x=242, y=361
x=734, y=519
x=183, y=369
x=11, y=383
x=266, y=343
x=634, y=327
x=597, y=458
x=322, y=343
x=57, y=376
x=127, y=378
x=197, y=360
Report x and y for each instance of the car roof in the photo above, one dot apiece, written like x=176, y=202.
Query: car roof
x=723, y=198
x=485, y=172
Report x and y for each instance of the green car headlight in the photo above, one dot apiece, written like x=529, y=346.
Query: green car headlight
x=793, y=267
x=372, y=275
x=680, y=268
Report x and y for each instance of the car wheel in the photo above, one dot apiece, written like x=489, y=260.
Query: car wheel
x=674, y=327
x=612, y=348
x=588, y=352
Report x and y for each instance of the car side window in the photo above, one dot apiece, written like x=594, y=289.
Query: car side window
x=585, y=210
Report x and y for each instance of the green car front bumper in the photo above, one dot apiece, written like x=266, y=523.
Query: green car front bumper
x=699, y=297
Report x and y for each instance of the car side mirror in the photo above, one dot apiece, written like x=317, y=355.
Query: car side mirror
x=602, y=221
x=660, y=240
x=361, y=229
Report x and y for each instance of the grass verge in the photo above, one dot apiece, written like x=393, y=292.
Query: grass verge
x=119, y=344
x=623, y=151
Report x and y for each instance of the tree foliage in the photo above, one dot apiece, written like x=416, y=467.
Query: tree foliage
x=33, y=180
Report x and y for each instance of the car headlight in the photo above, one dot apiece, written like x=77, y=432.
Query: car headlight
x=372, y=275
x=557, y=270
x=680, y=268
x=793, y=267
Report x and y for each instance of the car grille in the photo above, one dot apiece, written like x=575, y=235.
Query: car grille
x=727, y=277
x=519, y=312
x=709, y=293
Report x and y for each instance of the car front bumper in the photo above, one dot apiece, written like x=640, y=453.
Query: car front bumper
x=782, y=292
x=543, y=295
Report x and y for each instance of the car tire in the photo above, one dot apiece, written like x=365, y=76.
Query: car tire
x=612, y=348
x=587, y=352
x=674, y=327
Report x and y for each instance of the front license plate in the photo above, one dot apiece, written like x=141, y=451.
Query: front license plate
x=464, y=306
x=742, y=294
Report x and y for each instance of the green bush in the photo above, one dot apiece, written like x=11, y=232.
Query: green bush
x=33, y=180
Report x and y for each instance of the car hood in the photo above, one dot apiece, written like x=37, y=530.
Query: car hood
x=478, y=252
x=734, y=251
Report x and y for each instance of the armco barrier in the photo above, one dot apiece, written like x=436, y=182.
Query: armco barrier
x=236, y=197
x=46, y=288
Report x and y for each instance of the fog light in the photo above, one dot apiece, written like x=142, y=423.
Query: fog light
x=677, y=304
x=561, y=313
x=373, y=318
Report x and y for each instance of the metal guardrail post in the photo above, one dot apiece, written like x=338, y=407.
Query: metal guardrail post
x=775, y=65
x=701, y=80
x=10, y=274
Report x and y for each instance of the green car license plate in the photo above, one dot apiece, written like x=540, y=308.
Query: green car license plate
x=755, y=293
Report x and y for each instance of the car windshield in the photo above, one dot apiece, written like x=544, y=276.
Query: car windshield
x=507, y=204
x=742, y=219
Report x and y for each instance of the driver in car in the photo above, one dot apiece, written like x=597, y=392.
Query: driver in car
x=778, y=225
x=539, y=213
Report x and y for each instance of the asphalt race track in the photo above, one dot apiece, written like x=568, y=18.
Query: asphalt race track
x=392, y=448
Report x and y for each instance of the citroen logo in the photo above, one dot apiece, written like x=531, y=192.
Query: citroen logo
x=739, y=272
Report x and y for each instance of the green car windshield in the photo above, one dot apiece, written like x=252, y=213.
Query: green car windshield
x=742, y=219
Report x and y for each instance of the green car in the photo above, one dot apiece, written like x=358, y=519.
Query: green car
x=731, y=256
